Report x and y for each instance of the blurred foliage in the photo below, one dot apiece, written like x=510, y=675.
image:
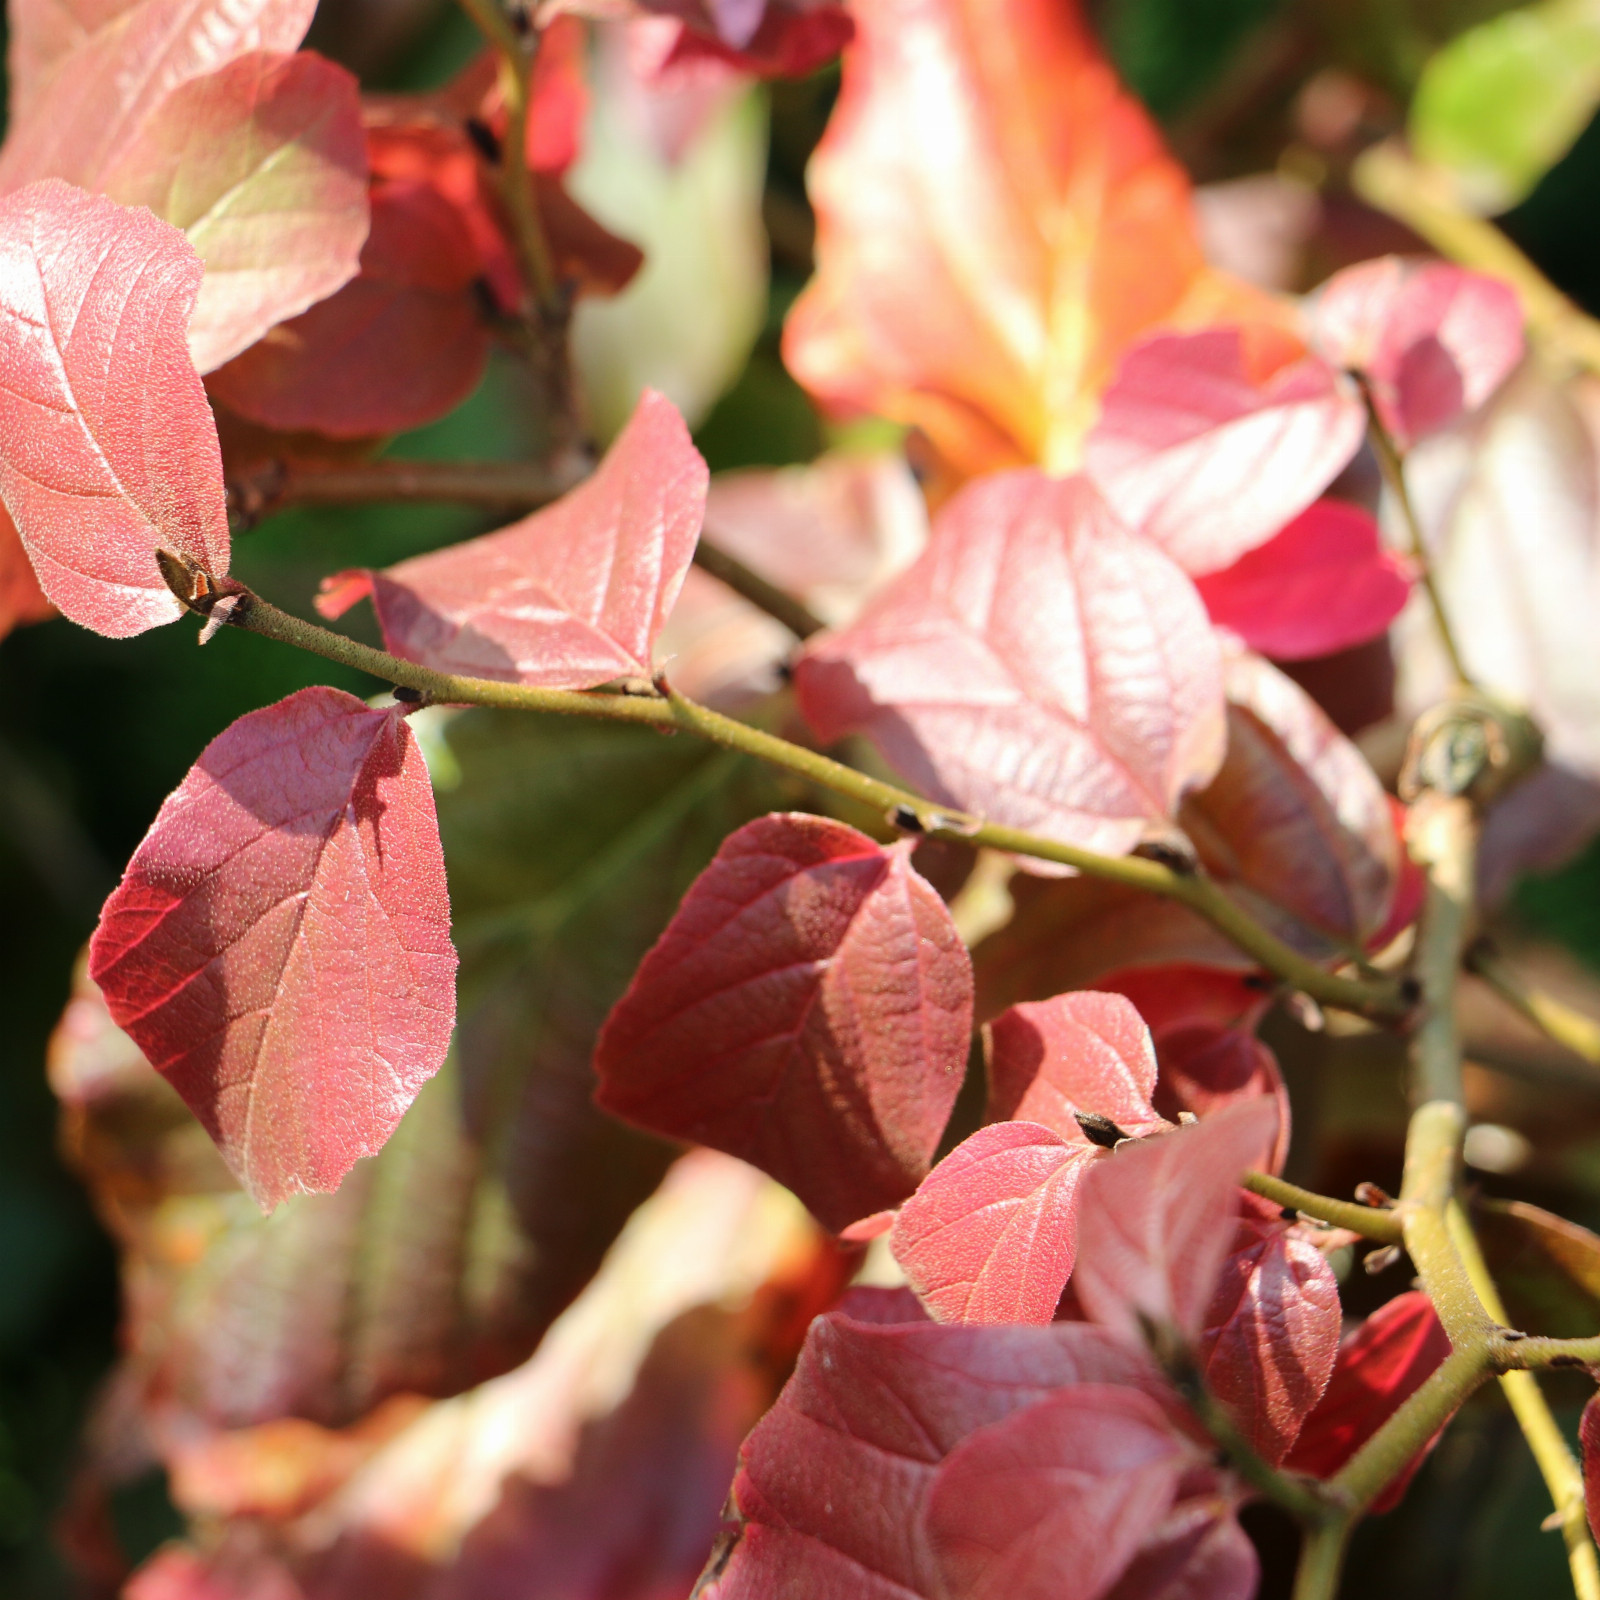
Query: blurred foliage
x=94, y=733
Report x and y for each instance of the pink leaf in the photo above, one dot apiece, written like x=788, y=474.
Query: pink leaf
x=1272, y=1331
x=1085, y=1051
x=789, y=42
x=990, y=1234
x=569, y=597
x=87, y=73
x=107, y=448
x=833, y=1480
x=1039, y=665
x=1433, y=340
x=280, y=944
x=1203, y=1021
x=1383, y=1363
x=808, y=1009
x=401, y=344
x=263, y=165
x=1210, y=442
x=1321, y=584
x=1057, y=1498
x=1155, y=1221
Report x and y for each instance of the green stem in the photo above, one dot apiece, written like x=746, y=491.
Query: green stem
x=1394, y=477
x=1375, y=998
x=1371, y=1222
x=1562, y=1474
x=1321, y=1560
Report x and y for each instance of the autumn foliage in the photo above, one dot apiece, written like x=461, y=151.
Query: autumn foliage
x=832, y=1151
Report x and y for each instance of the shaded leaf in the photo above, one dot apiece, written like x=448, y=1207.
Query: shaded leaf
x=1056, y=1498
x=263, y=166
x=1198, y=1552
x=1210, y=442
x=1321, y=584
x=85, y=74
x=107, y=448
x=1547, y=1268
x=1039, y=665
x=1077, y=1052
x=834, y=1480
x=991, y=1232
x=1296, y=816
x=1155, y=1221
x=808, y=1009
x=1271, y=1331
x=601, y=1462
x=279, y=946
x=399, y=345
x=570, y=597
x=1385, y=1361
x=987, y=156
x=1433, y=341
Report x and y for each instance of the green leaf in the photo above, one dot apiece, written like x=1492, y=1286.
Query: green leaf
x=1503, y=102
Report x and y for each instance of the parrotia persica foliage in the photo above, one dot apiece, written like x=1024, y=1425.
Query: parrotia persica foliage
x=1136, y=496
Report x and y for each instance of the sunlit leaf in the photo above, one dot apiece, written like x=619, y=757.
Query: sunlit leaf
x=280, y=944
x=107, y=448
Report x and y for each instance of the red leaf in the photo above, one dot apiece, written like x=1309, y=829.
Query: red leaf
x=1039, y=665
x=85, y=77
x=833, y=1480
x=569, y=597
x=398, y=346
x=1055, y=1499
x=1433, y=340
x=1086, y=1052
x=1210, y=442
x=997, y=221
x=1296, y=817
x=1155, y=1221
x=1272, y=1332
x=1199, y=1552
x=1203, y=1021
x=1321, y=584
x=991, y=1232
x=107, y=448
x=279, y=946
x=263, y=165
x=808, y=1009
x=1589, y=1442
x=1381, y=1365
x=21, y=598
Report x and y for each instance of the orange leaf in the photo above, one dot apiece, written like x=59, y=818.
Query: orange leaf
x=997, y=221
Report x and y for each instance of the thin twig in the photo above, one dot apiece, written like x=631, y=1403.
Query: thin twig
x=494, y=485
x=1377, y=1223
x=1391, y=465
x=1378, y=997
